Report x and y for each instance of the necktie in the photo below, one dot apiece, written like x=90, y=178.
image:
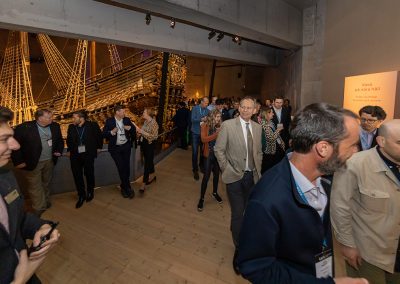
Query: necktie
x=250, y=147
x=4, y=214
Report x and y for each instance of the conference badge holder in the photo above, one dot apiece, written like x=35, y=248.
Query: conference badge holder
x=323, y=264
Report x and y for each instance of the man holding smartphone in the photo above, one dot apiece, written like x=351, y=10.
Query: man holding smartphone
x=16, y=226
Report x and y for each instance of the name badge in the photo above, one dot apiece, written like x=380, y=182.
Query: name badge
x=81, y=149
x=50, y=142
x=323, y=264
x=9, y=198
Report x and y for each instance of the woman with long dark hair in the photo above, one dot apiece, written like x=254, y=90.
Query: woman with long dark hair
x=273, y=146
x=148, y=134
x=209, y=134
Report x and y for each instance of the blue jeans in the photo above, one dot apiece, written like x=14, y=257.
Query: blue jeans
x=196, y=143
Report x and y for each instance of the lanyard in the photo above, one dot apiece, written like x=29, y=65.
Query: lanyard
x=201, y=113
x=44, y=132
x=122, y=130
x=303, y=197
x=80, y=135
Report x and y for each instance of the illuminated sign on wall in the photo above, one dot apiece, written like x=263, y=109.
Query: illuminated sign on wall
x=371, y=89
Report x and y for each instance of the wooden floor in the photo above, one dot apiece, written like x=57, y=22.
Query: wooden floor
x=157, y=238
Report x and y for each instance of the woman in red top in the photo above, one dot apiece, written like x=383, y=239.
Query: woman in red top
x=209, y=134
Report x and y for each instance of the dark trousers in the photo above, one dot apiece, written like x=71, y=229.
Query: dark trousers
x=122, y=158
x=83, y=164
x=270, y=160
x=181, y=132
x=210, y=165
x=196, y=161
x=238, y=194
x=148, y=156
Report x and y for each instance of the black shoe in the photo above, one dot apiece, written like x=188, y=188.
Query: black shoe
x=124, y=193
x=90, y=196
x=131, y=194
x=217, y=197
x=153, y=179
x=196, y=175
x=80, y=202
x=200, y=205
x=235, y=264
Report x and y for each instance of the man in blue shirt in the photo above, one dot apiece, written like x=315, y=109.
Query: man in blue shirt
x=198, y=116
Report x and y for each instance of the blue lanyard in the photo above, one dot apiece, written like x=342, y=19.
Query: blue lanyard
x=303, y=197
x=81, y=135
x=201, y=113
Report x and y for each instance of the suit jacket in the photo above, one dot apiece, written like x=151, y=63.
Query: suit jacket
x=231, y=152
x=92, y=138
x=285, y=120
x=27, y=134
x=22, y=226
x=110, y=125
x=182, y=118
x=281, y=234
x=366, y=202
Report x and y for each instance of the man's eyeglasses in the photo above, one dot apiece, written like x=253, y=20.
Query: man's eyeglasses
x=369, y=121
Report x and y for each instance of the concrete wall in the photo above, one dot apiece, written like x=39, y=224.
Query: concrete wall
x=360, y=37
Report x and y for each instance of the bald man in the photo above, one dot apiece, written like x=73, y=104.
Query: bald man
x=365, y=209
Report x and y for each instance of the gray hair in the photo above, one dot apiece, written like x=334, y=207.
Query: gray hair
x=318, y=122
x=248, y=98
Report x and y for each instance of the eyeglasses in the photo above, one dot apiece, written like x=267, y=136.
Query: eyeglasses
x=369, y=121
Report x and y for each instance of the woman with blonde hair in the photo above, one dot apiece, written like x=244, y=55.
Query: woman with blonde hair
x=148, y=135
x=273, y=146
x=209, y=133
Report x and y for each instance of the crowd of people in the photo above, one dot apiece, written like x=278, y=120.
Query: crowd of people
x=291, y=181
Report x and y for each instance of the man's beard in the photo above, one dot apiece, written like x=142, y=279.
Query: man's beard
x=332, y=164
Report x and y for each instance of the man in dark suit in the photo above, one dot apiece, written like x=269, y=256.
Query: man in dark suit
x=41, y=144
x=371, y=118
x=281, y=119
x=16, y=226
x=84, y=141
x=181, y=121
x=286, y=232
x=121, y=134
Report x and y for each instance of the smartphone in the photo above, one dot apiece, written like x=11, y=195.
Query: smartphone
x=43, y=239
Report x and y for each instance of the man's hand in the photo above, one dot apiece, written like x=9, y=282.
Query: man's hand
x=25, y=268
x=351, y=255
x=348, y=280
x=20, y=166
x=99, y=151
x=57, y=154
x=114, y=131
x=47, y=245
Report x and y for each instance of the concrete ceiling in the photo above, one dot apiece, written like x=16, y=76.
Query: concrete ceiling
x=301, y=4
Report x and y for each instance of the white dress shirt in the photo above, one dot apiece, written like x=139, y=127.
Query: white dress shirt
x=315, y=194
x=278, y=113
x=243, y=123
x=121, y=138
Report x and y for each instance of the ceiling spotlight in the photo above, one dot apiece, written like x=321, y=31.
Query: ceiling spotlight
x=212, y=34
x=220, y=36
x=172, y=23
x=237, y=40
x=148, y=19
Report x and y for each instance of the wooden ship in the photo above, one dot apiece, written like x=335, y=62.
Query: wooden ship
x=145, y=79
